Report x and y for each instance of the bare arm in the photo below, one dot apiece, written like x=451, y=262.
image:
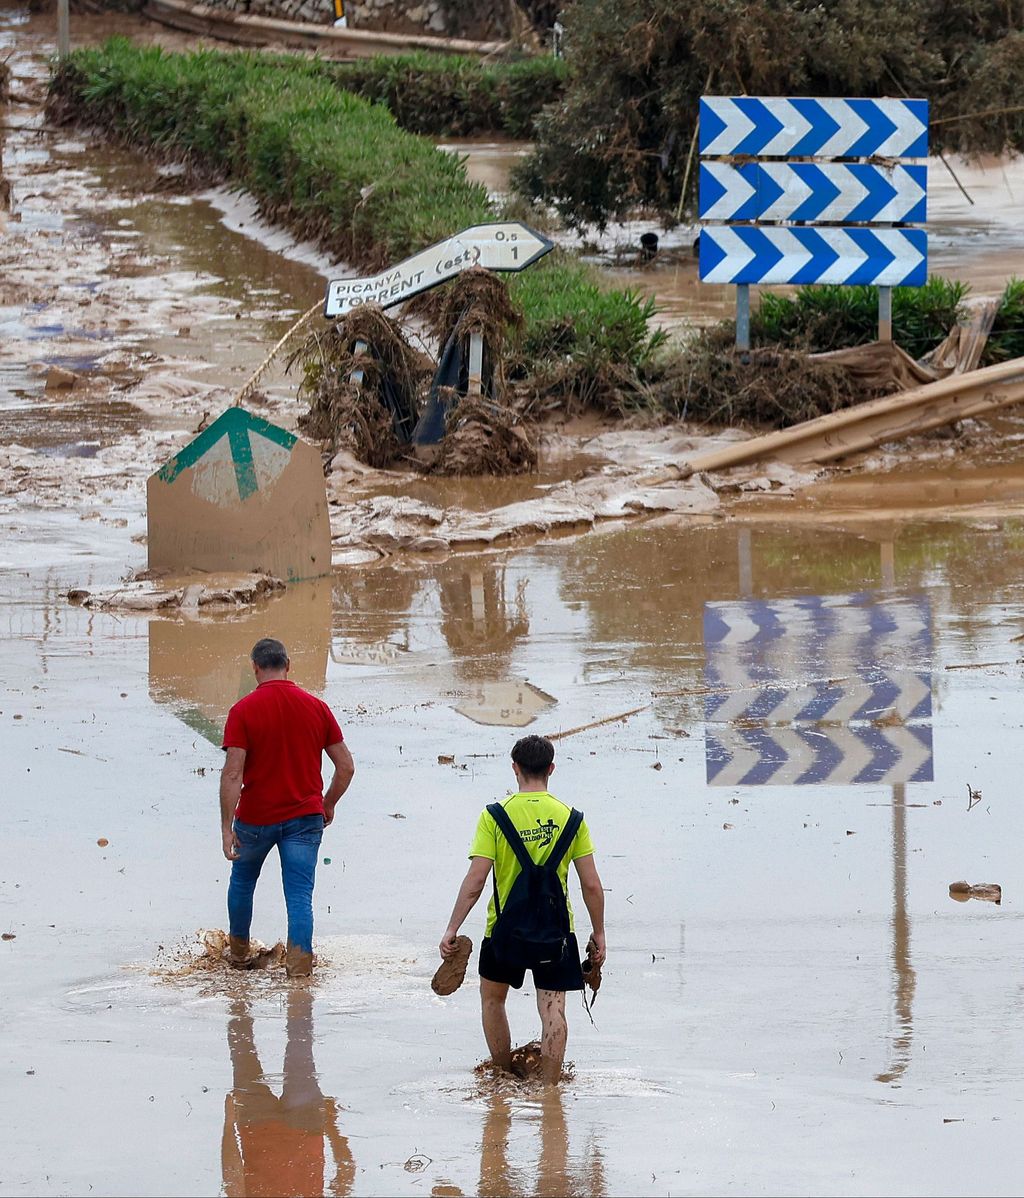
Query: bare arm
x=344, y=771
x=470, y=890
x=230, y=791
x=593, y=897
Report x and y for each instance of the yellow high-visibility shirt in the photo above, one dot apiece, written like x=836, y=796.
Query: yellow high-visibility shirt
x=539, y=819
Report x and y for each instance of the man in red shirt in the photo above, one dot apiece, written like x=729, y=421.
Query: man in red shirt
x=271, y=793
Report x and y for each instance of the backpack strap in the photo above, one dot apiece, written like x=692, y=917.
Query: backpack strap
x=564, y=842
x=511, y=834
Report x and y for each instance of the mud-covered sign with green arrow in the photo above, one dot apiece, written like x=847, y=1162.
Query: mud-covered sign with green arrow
x=244, y=495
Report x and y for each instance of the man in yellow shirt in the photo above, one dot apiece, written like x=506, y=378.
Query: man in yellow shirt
x=538, y=818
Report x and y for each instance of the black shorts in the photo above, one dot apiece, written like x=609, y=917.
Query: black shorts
x=566, y=975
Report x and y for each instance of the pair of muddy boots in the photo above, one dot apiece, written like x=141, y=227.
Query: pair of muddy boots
x=297, y=962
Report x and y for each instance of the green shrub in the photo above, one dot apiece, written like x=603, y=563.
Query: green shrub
x=823, y=318
x=453, y=96
x=1007, y=337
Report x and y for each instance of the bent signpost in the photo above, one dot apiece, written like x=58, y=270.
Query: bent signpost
x=507, y=246
x=245, y=495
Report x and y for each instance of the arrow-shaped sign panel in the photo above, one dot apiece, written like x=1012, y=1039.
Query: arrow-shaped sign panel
x=504, y=246
x=774, y=127
x=244, y=495
x=828, y=192
x=749, y=254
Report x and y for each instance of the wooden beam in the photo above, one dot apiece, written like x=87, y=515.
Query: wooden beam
x=879, y=420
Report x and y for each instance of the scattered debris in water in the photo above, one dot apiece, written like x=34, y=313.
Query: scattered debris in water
x=988, y=892
x=156, y=594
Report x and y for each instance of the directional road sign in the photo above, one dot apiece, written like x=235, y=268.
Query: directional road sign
x=244, y=495
x=827, y=192
x=767, y=254
x=830, y=689
x=503, y=246
x=766, y=127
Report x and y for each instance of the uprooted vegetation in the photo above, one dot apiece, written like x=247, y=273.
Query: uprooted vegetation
x=367, y=387
x=622, y=136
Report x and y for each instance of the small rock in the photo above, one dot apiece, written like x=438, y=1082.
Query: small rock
x=103, y=842
x=8, y=936
x=656, y=766
x=445, y=759
x=59, y=379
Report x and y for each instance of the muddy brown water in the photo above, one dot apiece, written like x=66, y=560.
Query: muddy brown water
x=792, y=1002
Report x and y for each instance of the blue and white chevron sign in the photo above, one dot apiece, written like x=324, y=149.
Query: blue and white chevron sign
x=750, y=254
x=827, y=192
x=822, y=688
x=802, y=755
x=773, y=127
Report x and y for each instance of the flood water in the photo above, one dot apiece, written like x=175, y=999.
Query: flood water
x=790, y=727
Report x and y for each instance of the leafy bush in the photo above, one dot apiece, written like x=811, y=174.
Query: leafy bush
x=1007, y=337
x=454, y=96
x=823, y=318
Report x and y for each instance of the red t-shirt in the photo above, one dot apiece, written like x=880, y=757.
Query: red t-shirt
x=284, y=731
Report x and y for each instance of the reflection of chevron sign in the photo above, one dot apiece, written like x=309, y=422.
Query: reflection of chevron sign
x=829, y=192
x=752, y=254
x=796, y=756
x=820, y=688
x=813, y=128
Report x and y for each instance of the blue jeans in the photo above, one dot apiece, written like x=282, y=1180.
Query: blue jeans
x=298, y=842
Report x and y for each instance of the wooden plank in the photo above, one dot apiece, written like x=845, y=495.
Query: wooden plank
x=877, y=421
x=247, y=30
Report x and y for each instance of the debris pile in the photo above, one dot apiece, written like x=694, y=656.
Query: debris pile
x=146, y=594
x=363, y=381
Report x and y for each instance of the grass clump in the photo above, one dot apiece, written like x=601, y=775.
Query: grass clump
x=454, y=96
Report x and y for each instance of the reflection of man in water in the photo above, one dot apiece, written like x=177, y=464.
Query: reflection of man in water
x=271, y=793
x=556, y=1176
x=274, y=1146
x=538, y=817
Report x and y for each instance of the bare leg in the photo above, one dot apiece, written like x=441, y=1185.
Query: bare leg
x=554, y=1034
x=495, y=1020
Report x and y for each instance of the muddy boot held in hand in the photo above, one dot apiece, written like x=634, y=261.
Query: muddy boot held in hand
x=591, y=970
x=452, y=970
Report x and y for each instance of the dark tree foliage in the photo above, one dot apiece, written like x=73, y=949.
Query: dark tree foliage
x=621, y=137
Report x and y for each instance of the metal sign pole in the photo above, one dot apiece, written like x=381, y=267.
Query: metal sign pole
x=885, y=314
x=63, y=30
x=743, y=316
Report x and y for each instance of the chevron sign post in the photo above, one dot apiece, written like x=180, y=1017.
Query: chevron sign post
x=770, y=205
x=822, y=689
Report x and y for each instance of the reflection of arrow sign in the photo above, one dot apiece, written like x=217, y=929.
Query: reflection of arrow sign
x=233, y=458
x=504, y=245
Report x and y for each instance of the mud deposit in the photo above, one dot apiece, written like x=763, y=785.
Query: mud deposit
x=757, y=709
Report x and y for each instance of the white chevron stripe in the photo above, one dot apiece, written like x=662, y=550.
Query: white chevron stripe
x=850, y=130
x=856, y=755
x=742, y=758
x=908, y=130
x=736, y=616
x=913, y=754
x=738, y=191
x=794, y=126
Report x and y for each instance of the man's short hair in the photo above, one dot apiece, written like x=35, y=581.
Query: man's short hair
x=269, y=654
x=533, y=755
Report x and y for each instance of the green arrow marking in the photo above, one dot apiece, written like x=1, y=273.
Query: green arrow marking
x=237, y=425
